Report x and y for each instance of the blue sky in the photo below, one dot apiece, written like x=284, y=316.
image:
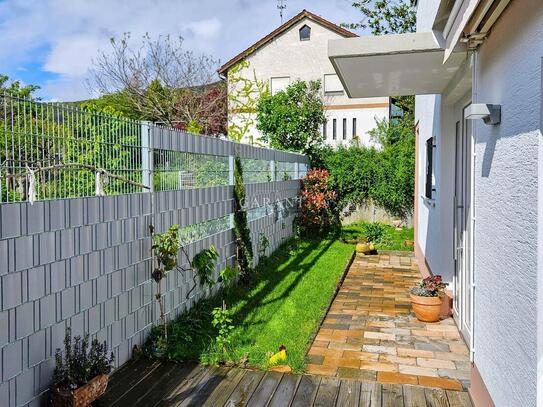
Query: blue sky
x=51, y=43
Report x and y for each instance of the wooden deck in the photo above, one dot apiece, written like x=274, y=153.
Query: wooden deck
x=152, y=383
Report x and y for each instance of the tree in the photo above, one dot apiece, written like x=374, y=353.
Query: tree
x=14, y=88
x=386, y=16
x=292, y=119
x=163, y=82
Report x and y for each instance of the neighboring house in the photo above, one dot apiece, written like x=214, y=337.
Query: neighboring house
x=476, y=68
x=298, y=50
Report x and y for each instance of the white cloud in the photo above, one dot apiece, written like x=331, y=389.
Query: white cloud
x=62, y=58
x=64, y=36
x=206, y=29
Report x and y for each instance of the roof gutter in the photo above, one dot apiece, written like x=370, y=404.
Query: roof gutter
x=452, y=17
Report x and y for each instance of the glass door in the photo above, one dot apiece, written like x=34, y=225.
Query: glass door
x=463, y=278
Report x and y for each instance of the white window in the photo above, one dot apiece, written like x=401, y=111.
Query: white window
x=278, y=84
x=332, y=85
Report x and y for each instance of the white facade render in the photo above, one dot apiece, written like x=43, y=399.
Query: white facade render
x=476, y=68
x=298, y=50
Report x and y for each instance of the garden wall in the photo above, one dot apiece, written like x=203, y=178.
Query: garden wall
x=85, y=262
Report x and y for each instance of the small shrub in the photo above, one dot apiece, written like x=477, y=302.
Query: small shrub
x=204, y=265
x=263, y=245
x=222, y=321
x=79, y=364
x=228, y=275
x=319, y=211
x=374, y=232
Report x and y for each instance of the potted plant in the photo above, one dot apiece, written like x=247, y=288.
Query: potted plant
x=81, y=373
x=427, y=298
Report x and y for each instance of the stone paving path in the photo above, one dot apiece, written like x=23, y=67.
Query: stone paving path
x=370, y=332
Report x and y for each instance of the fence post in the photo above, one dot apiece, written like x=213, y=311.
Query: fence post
x=146, y=156
x=296, y=170
x=272, y=170
x=230, y=170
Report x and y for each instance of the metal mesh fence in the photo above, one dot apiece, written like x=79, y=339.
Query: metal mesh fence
x=56, y=151
x=179, y=170
x=51, y=151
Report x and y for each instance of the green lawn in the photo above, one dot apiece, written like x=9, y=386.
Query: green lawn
x=283, y=307
x=391, y=239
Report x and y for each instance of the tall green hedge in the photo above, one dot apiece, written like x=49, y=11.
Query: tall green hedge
x=384, y=175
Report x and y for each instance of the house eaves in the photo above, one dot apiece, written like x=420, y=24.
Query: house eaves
x=223, y=70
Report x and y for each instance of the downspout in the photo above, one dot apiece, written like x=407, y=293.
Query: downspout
x=472, y=199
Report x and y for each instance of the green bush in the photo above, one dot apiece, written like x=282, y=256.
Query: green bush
x=373, y=231
x=384, y=176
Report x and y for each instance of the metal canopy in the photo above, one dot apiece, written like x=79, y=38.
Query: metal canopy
x=393, y=65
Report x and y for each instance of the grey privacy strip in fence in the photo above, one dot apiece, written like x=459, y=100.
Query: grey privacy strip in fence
x=84, y=261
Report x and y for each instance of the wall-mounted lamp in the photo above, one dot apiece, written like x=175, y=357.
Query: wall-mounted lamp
x=491, y=114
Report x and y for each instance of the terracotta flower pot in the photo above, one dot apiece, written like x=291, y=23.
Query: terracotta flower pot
x=427, y=309
x=409, y=243
x=82, y=396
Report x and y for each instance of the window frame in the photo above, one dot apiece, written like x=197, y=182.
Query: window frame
x=354, y=128
x=300, y=33
x=334, y=129
x=429, y=181
x=344, y=130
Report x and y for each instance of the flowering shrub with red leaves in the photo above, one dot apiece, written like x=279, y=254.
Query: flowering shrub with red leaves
x=431, y=286
x=319, y=211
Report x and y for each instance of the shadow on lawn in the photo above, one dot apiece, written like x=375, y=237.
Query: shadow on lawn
x=275, y=277
x=192, y=333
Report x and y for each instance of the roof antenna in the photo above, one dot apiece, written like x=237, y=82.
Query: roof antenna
x=281, y=6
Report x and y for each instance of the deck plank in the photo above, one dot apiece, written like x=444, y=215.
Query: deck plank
x=205, y=387
x=413, y=396
x=265, y=389
x=178, y=374
x=306, y=392
x=151, y=383
x=458, y=399
x=285, y=391
x=124, y=379
x=185, y=388
x=436, y=398
x=392, y=395
x=221, y=393
x=370, y=394
x=143, y=387
x=349, y=394
x=327, y=392
x=245, y=389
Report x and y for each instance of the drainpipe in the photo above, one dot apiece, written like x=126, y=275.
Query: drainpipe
x=472, y=198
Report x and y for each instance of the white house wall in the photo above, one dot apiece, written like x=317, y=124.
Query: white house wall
x=286, y=55
x=506, y=176
x=434, y=224
x=508, y=71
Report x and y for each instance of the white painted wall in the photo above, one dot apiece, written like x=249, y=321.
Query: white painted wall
x=434, y=225
x=287, y=56
x=506, y=206
x=508, y=276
